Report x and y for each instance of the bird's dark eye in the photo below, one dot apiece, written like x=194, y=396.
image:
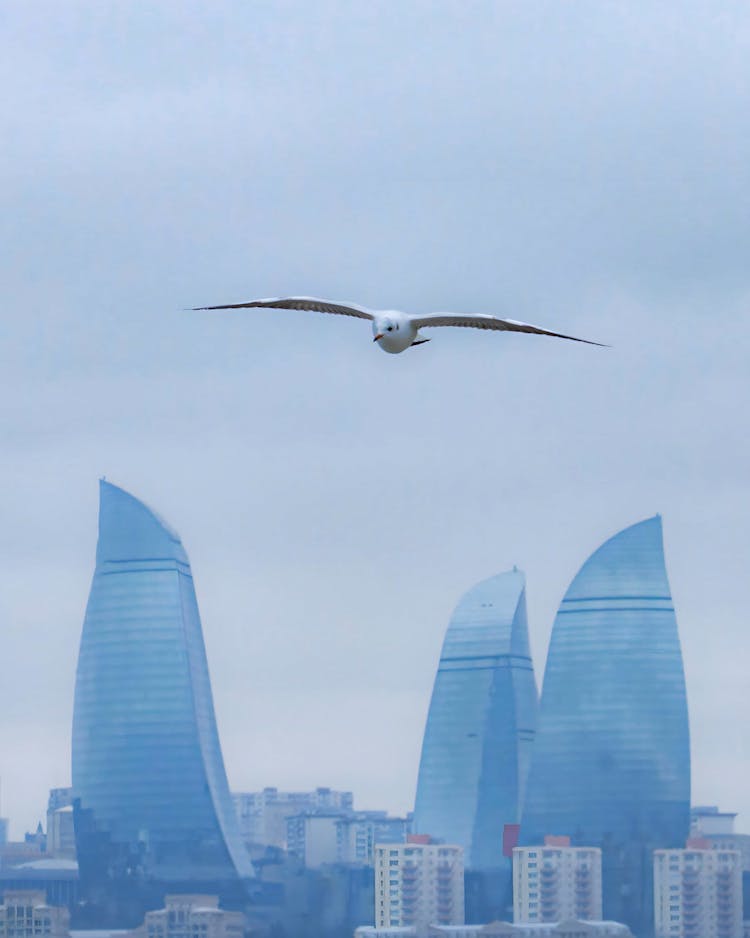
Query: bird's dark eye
x=390, y=328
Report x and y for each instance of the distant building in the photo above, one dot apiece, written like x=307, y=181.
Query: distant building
x=263, y=814
x=330, y=901
x=717, y=828
x=568, y=929
x=359, y=833
x=190, y=916
x=26, y=914
x=14, y=852
x=313, y=838
x=611, y=761
x=56, y=879
x=418, y=884
x=698, y=892
x=556, y=882
x=324, y=838
x=707, y=820
x=480, y=726
x=61, y=838
x=153, y=813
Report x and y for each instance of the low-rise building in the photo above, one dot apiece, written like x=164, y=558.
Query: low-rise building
x=57, y=880
x=190, y=916
x=26, y=914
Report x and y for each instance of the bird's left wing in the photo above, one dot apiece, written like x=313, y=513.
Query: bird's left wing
x=484, y=321
x=300, y=302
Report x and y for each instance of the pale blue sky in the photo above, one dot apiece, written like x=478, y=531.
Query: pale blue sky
x=581, y=165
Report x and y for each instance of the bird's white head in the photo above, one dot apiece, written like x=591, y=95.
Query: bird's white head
x=393, y=331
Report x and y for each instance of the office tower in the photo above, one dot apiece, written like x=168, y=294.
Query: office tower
x=419, y=884
x=611, y=765
x=152, y=808
x=555, y=882
x=480, y=726
x=698, y=892
x=263, y=814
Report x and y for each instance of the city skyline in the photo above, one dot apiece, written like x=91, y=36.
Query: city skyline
x=465, y=600
x=408, y=808
x=584, y=166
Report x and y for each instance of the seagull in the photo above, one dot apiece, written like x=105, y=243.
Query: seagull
x=393, y=330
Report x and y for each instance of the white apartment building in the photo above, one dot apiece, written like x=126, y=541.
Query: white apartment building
x=418, y=884
x=555, y=882
x=698, y=892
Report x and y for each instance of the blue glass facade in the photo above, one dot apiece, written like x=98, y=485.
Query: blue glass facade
x=152, y=809
x=611, y=763
x=481, y=724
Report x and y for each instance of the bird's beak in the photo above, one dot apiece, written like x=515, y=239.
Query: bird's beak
x=378, y=336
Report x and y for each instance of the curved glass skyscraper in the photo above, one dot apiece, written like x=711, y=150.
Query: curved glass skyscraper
x=611, y=763
x=481, y=723
x=153, y=810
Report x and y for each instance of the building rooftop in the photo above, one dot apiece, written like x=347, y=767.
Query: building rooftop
x=49, y=865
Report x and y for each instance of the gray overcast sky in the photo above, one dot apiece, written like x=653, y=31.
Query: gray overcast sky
x=581, y=165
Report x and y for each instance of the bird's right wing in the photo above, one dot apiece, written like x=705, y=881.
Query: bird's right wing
x=300, y=302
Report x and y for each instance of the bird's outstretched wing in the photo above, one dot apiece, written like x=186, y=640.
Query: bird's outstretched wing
x=300, y=302
x=484, y=321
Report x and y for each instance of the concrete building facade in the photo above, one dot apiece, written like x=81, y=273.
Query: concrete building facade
x=556, y=882
x=26, y=914
x=190, y=916
x=698, y=892
x=419, y=884
x=61, y=837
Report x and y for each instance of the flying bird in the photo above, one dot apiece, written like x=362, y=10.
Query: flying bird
x=395, y=331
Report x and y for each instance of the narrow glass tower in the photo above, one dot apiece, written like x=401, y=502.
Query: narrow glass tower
x=152, y=806
x=611, y=762
x=481, y=724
